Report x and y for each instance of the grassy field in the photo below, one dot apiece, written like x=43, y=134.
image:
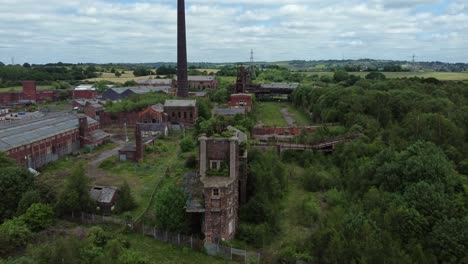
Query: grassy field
x=143, y=177
x=20, y=88
x=268, y=113
x=164, y=253
x=293, y=230
x=127, y=76
x=444, y=76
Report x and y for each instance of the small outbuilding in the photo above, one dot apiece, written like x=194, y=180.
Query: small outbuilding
x=105, y=198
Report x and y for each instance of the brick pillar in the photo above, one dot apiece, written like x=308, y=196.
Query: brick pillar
x=203, y=161
x=83, y=129
x=29, y=90
x=233, y=156
x=138, y=143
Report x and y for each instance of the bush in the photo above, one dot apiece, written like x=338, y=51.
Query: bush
x=98, y=236
x=187, y=144
x=13, y=234
x=126, y=201
x=38, y=217
x=311, y=210
x=132, y=257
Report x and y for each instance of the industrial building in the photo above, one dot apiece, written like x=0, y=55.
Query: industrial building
x=36, y=142
x=116, y=94
x=215, y=193
x=181, y=111
x=84, y=92
x=29, y=95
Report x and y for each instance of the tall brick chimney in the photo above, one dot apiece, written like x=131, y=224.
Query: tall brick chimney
x=138, y=143
x=29, y=90
x=182, y=75
x=83, y=129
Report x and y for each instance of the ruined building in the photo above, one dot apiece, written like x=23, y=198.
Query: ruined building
x=215, y=193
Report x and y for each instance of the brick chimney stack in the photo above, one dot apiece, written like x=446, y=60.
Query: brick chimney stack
x=138, y=143
x=182, y=75
x=83, y=129
x=29, y=90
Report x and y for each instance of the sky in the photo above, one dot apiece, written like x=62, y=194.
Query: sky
x=138, y=31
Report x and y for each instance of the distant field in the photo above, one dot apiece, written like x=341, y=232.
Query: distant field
x=209, y=70
x=127, y=76
x=19, y=88
x=443, y=76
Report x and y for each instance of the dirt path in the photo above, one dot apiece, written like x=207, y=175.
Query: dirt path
x=93, y=165
x=289, y=119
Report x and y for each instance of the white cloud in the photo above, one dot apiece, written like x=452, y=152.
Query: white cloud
x=109, y=31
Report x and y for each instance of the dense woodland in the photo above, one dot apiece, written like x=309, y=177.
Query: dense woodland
x=400, y=193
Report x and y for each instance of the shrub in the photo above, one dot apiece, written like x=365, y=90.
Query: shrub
x=187, y=144
x=13, y=234
x=38, y=217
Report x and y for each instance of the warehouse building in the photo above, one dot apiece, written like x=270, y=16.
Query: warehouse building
x=34, y=143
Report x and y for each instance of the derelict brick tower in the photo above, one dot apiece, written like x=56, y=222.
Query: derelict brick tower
x=182, y=78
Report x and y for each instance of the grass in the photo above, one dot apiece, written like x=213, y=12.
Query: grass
x=268, y=113
x=160, y=252
x=127, y=76
x=142, y=177
x=443, y=76
x=20, y=88
x=292, y=229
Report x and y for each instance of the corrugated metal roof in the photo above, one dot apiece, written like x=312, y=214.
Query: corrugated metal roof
x=29, y=131
x=228, y=111
x=180, y=103
x=280, y=85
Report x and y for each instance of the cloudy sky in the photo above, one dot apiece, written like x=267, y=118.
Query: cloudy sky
x=225, y=30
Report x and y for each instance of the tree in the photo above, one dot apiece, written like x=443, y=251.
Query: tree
x=117, y=74
x=170, y=208
x=75, y=195
x=26, y=65
x=126, y=201
x=140, y=71
x=14, y=182
x=375, y=76
x=38, y=217
x=187, y=144
x=340, y=76
x=13, y=234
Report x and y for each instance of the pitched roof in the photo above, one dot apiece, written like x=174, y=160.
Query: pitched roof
x=280, y=85
x=16, y=134
x=102, y=194
x=155, y=81
x=171, y=103
x=228, y=111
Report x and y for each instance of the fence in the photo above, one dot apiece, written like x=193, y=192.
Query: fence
x=180, y=240
x=228, y=253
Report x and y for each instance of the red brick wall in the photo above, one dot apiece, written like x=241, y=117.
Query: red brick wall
x=246, y=99
x=29, y=90
x=220, y=211
x=186, y=115
x=39, y=149
x=47, y=95
x=149, y=115
x=107, y=119
x=10, y=97
x=294, y=131
x=202, y=85
x=84, y=94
